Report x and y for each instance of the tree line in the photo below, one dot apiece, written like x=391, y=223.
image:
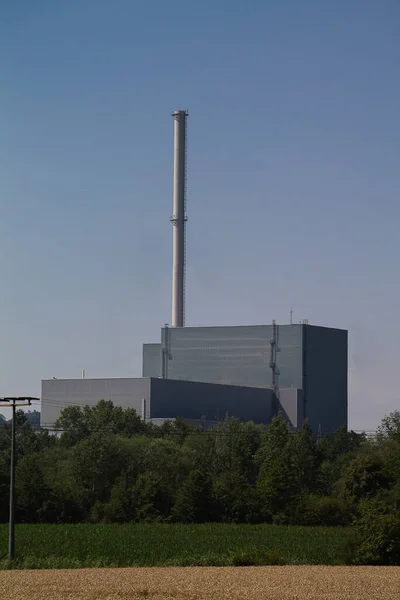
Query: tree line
x=32, y=416
x=106, y=464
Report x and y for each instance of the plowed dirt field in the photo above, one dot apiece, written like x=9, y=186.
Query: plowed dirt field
x=227, y=583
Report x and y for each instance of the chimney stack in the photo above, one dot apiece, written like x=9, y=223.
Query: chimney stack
x=179, y=219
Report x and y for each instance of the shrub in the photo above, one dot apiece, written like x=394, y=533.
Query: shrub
x=193, y=499
x=349, y=549
x=321, y=510
x=378, y=528
x=257, y=558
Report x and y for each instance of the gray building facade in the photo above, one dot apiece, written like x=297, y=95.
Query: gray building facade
x=159, y=399
x=311, y=359
x=57, y=394
x=151, y=360
x=204, y=373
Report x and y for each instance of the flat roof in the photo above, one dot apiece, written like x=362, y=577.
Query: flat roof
x=255, y=325
x=90, y=378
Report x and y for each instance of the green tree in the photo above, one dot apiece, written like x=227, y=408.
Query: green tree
x=199, y=449
x=121, y=507
x=176, y=430
x=31, y=489
x=378, y=528
x=276, y=483
x=320, y=510
x=97, y=462
x=236, y=445
x=340, y=443
x=4, y=487
x=28, y=442
x=235, y=498
x=164, y=469
x=155, y=498
x=304, y=459
x=33, y=418
x=364, y=477
x=193, y=502
x=164, y=458
x=79, y=422
x=389, y=429
x=334, y=453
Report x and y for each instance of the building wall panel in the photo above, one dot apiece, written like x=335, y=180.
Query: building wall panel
x=57, y=394
x=191, y=400
x=325, y=378
x=151, y=365
x=234, y=355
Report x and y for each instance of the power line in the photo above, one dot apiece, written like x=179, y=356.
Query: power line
x=216, y=431
x=67, y=403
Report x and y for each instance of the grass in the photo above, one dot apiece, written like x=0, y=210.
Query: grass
x=155, y=545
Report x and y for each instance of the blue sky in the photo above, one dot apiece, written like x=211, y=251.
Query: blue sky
x=293, y=179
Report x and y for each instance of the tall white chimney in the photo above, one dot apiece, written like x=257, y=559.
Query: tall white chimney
x=179, y=218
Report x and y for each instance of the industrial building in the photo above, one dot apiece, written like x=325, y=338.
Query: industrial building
x=201, y=373
x=159, y=399
x=305, y=357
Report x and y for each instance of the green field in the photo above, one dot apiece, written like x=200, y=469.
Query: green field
x=68, y=546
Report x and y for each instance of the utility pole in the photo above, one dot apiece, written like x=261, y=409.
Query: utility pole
x=15, y=401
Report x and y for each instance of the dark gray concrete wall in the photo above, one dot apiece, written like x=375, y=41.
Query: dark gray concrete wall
x=325, y=377
x=57, y=394
x=193, y=400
